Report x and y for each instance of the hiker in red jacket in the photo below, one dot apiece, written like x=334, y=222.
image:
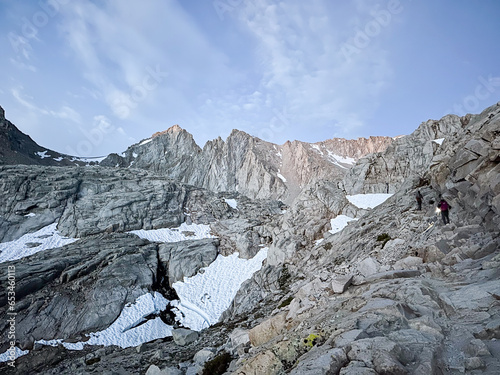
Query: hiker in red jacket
x=444, y=207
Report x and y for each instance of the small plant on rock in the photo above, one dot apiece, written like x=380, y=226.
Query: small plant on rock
x=384, y=238
x=311, y=340
x=218, y=365
x=284, y=278
x=286, y=302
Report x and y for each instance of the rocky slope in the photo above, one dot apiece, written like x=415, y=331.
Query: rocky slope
x=18, y=148
x=246, y=164
x=394, y=292
x=425, y=299
x=409, y=155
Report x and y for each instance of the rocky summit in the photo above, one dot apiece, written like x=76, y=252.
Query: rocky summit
x=246, y=257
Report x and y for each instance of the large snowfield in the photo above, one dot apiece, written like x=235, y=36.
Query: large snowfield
x=127, y=330
x=181, y=233
x=203, y=297
x=206, y=295
x=44, y=239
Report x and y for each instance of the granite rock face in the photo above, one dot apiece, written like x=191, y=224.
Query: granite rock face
x=410, y=155
x=245, y=164
x=88, y=201
x=424, y=300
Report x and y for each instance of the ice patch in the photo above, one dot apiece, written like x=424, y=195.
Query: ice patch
x=205, y=296
x=368, y=200
x=232, y=203
x=88, y=160
x=47, y=238
x=127, y=330
x=43, y=154
x=439, y=141
x=6, y=356
x=339, y=223
x=181, y=233
x=341, y=159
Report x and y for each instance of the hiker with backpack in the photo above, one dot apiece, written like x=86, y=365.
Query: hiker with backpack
x=419, y=198
x=445, y=208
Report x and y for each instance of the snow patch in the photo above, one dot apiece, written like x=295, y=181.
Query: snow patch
x=181, y=233
x=145, y=141
x=232, y=203
x=31, y=214
x=317, y=148
x=281, y=177
x=47, y=238
x=339, y=223
x=368, y=200
x=134, y=155
x=96, y=159
x=60, y=158
x=43, y=154
x=7, y=357
x=439, y=141
x=127, y=330
x=205, y=296
x=341, y=159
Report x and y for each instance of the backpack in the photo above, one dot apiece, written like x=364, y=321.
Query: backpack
x=443, y=205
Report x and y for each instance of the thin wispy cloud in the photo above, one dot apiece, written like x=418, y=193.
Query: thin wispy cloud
x=65, y=112
x=277, y=70
x=303, y=67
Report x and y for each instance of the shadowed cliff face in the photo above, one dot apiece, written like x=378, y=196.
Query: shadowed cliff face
x=18, y=148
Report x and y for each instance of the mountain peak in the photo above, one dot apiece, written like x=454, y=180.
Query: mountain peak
x=173, y=129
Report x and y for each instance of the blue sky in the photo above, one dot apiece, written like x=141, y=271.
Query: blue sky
x=92, y=77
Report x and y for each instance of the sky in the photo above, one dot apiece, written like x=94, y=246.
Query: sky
x=88, y=78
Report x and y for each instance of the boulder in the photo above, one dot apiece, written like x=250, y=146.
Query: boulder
x=263, y=363
x=368, y=267
x=267, y=330
x=183, y=336
x=320, y=360
x=341, y=283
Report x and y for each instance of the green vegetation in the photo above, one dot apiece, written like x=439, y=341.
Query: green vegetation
x=218, y=365
x=285, y=302
x=384, y=237
x=311, y=340
x=284, y=278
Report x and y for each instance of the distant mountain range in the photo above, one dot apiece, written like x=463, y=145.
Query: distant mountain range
x=242, y=163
